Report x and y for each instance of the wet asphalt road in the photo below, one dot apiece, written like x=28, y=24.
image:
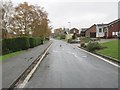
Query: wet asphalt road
x=68, y=67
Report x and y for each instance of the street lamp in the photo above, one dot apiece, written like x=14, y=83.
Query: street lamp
x=69, y=24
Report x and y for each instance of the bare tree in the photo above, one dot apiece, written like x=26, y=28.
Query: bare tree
x=7, y=14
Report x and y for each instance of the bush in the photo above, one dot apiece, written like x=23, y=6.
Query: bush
x=47, y=38
x=74, y=36
x=32, y=42
x=69, y=40
x=8, y=46
x=92, y=46
x=86, y=39
x=82, y=44
x=62, y=36
x=21, y=43
x=35, y=41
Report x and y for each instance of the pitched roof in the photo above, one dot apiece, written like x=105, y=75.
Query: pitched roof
x=84, y=29
x=115, y=21
x=101, y=24
x=73, y=29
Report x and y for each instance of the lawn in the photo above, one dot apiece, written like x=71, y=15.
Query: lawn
x=111, y=49
x=10, y=55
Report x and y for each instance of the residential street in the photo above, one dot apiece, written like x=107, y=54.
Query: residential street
x=66, y=66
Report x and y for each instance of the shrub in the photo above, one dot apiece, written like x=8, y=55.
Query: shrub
x=82, y=44
x=62, y=36
x=92, y=46
x=21, y=43
x=86, y=39
x=14, y=44
x=8, y=46
x=74, y=36
x=35, y=41
x=69, y=40
x=32, y=42
x=47, y=38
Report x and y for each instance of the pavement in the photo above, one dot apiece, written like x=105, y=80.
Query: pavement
x=66, y=66
x=106, y=40
x=14, y=66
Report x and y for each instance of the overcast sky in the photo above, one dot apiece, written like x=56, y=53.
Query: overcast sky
x=80, y=13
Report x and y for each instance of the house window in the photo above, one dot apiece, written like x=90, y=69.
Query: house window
x=113, y=33
x=117, y=33
x=104, y=29
x=100, y=30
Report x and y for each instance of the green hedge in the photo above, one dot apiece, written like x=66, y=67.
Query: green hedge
x=35, y=41
x=17, y=44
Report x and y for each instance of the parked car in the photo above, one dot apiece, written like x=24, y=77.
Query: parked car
x=74, y=41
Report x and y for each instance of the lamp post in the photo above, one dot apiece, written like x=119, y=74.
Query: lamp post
x=69, y=25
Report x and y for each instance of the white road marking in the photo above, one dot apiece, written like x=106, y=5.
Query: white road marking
x=116, y=65
x=22, y=85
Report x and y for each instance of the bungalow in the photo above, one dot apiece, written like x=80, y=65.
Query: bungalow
x=74, y=30
x=110, y=30
x=58, y=31
x=97, y=30
x=114, y=29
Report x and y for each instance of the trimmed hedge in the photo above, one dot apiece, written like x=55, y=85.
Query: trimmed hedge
x=35, y=41
x=17, y=44
x=22, y=43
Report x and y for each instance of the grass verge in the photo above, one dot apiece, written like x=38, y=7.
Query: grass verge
x=10, y=55
x=111, y=49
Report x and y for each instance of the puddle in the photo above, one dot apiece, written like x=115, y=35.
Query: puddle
x=84, y=56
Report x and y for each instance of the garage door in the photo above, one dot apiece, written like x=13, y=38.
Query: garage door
x=92, y=35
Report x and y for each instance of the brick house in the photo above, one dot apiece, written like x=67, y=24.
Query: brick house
x=113, y=29
x=74, y=30
x=110, y=30
x=58, y=31
x=97, y=30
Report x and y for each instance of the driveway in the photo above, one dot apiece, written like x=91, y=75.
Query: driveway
x=106, y=40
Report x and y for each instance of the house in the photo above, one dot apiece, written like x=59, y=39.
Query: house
x=110, y=30
x=82, y=31
x=97, y=30
x=114, y=29
x=58, y=31
x=74, y=30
